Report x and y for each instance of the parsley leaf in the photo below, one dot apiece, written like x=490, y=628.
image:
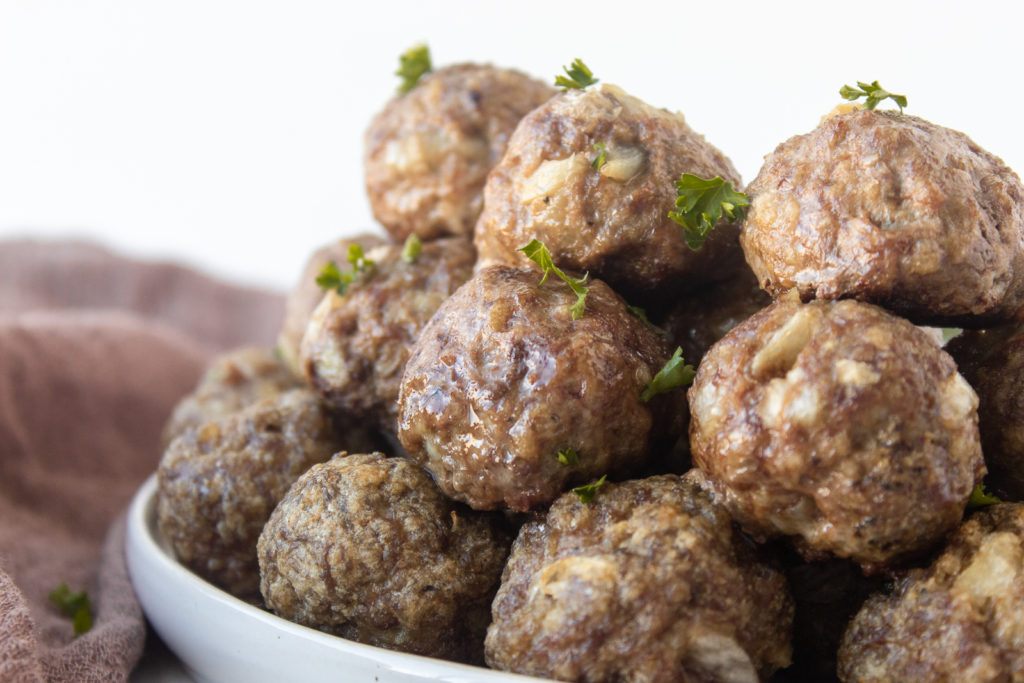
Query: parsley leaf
x=412, y=64
x=587, y=492
x=675, y=373
x=332, y=277
x=874, y=94
x=75, y=606
x=980, y=498
x=598, y=161
x=539, y=254
x=569, y=457
x=579, y=77
x=411, y=249
x=700, y=204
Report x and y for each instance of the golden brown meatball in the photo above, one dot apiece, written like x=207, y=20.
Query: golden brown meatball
x=961, y=619
x=307, y=294
x=647, y=582
x=367, y=548
x=611, y=221
x=356, y=345
x=891, y=209
x=219, y=482
x=839, y=425
x=428, y=152
x=502, y=379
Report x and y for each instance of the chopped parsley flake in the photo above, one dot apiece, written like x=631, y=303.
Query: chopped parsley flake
x=700, y=204
x=675, y=373
x=539, y=254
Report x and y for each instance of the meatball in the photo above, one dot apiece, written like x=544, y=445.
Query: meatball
x=647, y=582
x=357, y=344
x=367, y=548
x=219, y=482
x=890, y=209
x=831, y=422
x=503, y=380
x=428, y=152
x=307, y=294
x=233, y=381
x=961, y=619
x=611, y=221
x=993, y=363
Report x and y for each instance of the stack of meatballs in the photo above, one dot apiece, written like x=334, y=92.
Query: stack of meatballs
x=449, y=454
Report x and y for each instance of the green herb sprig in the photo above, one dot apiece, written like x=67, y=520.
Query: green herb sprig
x=333, y=277
x=75, y=606
x=980, y=497
x=587, y=492
x=412, y=64
x=598, y=161
x=411, y=249
x=539, y=254
x=700, y=204
x=568, y=457
x=579, y=77
x=874, y=94
x=675, y=373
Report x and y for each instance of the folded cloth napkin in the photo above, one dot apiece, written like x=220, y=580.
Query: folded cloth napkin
x=95, y=350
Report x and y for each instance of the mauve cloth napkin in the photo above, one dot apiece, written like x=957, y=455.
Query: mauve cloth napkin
x=95, y=350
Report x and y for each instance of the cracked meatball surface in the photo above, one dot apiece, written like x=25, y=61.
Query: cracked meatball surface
x=611, y=221
x=356, y=344
x=839, y=425
x=429, y=151
x=367, y=548
x=891, y=209
x=502, y=379
x=219, y=482
x=961, y=619
x=647, y=582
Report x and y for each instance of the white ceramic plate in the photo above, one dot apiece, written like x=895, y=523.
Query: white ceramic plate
x=220, y=638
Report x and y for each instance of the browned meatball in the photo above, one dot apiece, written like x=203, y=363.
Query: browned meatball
x=837, y=424
x=994, y=365
x=234, y=380
x=502, y=379
x=891, y=209
x=612, y=221
x=367, y=548
x=307, y=294
x=428, y=152
x=357, y=344
x=219, y=482
x=647, y=582
x=961, y=619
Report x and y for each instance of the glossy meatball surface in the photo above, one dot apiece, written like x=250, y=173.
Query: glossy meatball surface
x=367, y=548
x=428, y=152
x=891, y=209
x=839, y=425
x=647, y=582
x=613, y=220
x=503, y=379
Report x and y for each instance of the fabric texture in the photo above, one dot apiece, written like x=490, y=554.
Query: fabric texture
x=95, y=350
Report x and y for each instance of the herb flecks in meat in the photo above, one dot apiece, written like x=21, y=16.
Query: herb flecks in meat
x=700, y=204
x=579, y=78
x=874, y=94
x=412, y=64
x=539, y=254
x=675, y=373
x=599, y=160
x=587, y=492
x=75, y=606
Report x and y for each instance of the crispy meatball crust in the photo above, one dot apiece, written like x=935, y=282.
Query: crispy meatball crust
x=367, y=548
x=612, y=221
x=306, y=294
x=428, y=152
x=502, y=379
x=891, y=209
x=234, y=380
x=357, y=344
x=961, y=619
x=994, y=365
x=647, y=582
x=219, y=482
x=837, y=424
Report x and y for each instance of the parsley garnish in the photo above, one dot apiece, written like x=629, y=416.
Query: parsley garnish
x=579, y=77
x=980, y=498
x=569, y=457
x=675, y=373
x=539, y=254
x=874, y=94
x=411, y=249
x=700, y=204
x=598, y=161
x=588, y=491
x=332, y=277
x=412, y=64
x=75, y=606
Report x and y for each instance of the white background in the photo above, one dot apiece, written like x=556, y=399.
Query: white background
x=228, y=135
